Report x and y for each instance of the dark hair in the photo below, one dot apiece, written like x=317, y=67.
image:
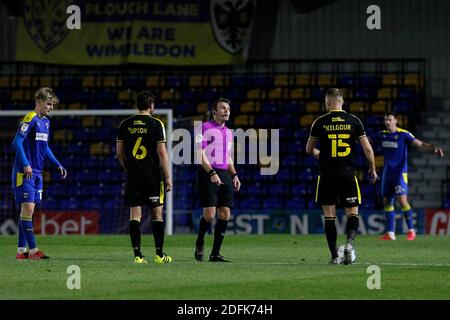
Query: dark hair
x=391, y=113
x=334, y=93
x=214, y=106
x=144, y=99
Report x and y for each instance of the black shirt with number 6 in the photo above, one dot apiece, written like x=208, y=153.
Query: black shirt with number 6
x=140, y=135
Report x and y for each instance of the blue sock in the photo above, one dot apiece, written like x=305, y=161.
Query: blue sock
x=27, y=227
x=22, y=238
x=407, y=214
x=390, y=218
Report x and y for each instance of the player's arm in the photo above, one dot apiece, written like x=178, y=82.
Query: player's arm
x=233, y=173
x=368, y=152
x=311, y=147
x=164, y=161
x=17, y=145
x=427, y=147
x=49, y=154
x=120, y=152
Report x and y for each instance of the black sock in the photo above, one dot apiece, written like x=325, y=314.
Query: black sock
x=158, y=235
x=202, y=229
x=135, y=236
x=219, y=234
x=331, y=233
x=352, y=227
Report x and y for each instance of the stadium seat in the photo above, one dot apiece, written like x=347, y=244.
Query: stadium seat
x=282, y=80
x=257, y=94
x=347, y=80
x=302, y=80
x=413, y=80
x=307, y=120
x=250, y=107
x=299, y=93
x=313, y=107
x=277, y=93
x=359, y=107
x=325, y=80
x=389, y=93
x=381, y=106
x=196, y=81
x=390, y=80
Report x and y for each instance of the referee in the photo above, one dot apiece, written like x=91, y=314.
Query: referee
x=216, y=179
x=141, y=150
x=337, y=132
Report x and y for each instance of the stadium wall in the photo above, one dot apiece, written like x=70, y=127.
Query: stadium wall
x=409, y=28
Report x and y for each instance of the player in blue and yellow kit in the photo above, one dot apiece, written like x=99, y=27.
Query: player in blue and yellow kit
x=31, y=148
x=394, y=143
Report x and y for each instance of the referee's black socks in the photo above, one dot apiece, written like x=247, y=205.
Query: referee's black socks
x=158, y=236
x=352, y=227
x=219, y=234
x=202, y=229
x=135, y=236
x=331, y=234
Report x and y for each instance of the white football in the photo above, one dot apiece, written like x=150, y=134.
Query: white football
x=341, y=253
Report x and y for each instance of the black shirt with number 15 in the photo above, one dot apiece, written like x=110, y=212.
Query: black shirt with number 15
x=140, y=135
x=337, y=133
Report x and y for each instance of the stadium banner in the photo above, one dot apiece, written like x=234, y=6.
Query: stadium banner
x=66, y=222
x=308, y=222
x=437, y=221
x=169, y=32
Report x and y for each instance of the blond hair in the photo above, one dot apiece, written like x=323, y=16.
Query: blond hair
x=45, y=94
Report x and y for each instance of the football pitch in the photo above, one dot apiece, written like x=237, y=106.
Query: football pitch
x=269, y=267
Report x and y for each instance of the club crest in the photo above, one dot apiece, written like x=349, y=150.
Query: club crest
x=231, y=21
x=45, y=21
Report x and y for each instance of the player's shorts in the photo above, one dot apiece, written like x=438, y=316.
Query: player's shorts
x=333, y=191
x=138, y=194
x=27, y=190
x=394, y=184
x=212, y=195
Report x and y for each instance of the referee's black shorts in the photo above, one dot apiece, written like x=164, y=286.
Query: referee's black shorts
x=333, y=191
x=212, y=195
x=142, y=194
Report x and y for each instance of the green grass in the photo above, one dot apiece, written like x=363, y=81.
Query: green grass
x=264, y=267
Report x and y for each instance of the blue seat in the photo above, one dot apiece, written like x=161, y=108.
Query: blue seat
x=274, y=203
x=409, y=93
x=294, y=107
x=279, y=190
x=176, y=81
x=370, y=80
x=133, y=82
x=347, y=80
x=296, y=204
x=238, y=81
x=402, y=106
x=250, y=203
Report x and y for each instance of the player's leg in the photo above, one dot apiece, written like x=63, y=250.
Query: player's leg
x=388, y=193
x=21, y=190
x=389, y=212
x=225, y=203
x=205, y=223
x=351, y=198
x=158, y=235
x=326, y=196
x=207, y=192
x=135, y=233
x=33, y=188
x=219, y=234
x=407, y=214
x=329, y=213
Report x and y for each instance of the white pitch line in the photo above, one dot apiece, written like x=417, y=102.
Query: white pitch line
x=306, y=264
x=415, y=264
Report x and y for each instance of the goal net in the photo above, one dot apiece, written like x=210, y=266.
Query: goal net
x=90, y=200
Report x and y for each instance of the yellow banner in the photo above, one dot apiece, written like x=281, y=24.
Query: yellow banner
x=116, y=33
